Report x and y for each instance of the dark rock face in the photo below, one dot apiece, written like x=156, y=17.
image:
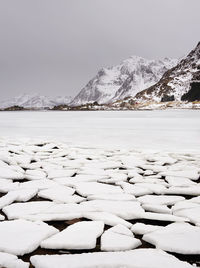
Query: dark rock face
x=166, y=98
x=193, y=94
x=14, y=108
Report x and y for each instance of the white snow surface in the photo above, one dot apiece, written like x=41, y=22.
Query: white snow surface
x=11, y=261
x=181, y=238
x=118, y=238
x=89, y=187
x=80, y=235
x=129, y=259
x=168, y=130
x=141, y=228
x=19, y=237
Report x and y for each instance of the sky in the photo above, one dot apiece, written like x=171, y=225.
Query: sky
x=54, y=47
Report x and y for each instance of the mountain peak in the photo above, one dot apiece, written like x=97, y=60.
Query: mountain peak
x=177, y=81
x=126, y=79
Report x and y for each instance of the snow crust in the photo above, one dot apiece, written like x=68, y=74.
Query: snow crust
x=118, y=238
x=141, y=228
x=11, y=261
x=129, y=259
x=181, y=238
x=81, y=235
x=19, y=237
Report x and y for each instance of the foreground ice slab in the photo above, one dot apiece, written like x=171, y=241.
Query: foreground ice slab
x=193, y=175
x=119, y=238
x=90, y=188
x=19, y=210
x=17, y=195
x=11, y=261
x=20, y=236
x=160, y=199
x=81, y=235
x=157, y=208
x=127, y=210
x=141, y=228
x=107, y=218
x=192, y=213
x=138, y=258
x=116, y=197
x=2, y=217
x=8, y=173
x=181, y=238
x=60, y=194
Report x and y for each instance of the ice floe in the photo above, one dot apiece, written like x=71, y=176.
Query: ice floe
x=181, y=238
x=141, y=228
x=119, y=238
x=117, y=197
x=127, y=191
x=11, y=261
x=160, y=199
x=80, y=235
x=90, y=188
x=143, y=258
x=107, y=218
x=127, y=210
x=19, y=237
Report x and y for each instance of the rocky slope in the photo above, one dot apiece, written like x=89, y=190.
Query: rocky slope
x=177, y=81
x=125, y=79
x=34, y=101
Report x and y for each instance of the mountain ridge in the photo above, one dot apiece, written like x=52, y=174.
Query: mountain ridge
x=125, y=79
x=176, y=81
x=34, y=101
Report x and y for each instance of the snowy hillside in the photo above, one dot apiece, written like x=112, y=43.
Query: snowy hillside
x=143, y=73
x=177, y=81
x=34, y=101
x=126, y=79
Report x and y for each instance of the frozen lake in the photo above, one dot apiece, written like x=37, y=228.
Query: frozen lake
x=177, y=130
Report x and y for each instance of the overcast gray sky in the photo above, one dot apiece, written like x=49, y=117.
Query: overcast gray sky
x=53, y=47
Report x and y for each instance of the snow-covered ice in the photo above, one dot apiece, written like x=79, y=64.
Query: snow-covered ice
x=157, y=208
x=116, y=197
x=143, y=258
x=127, y=210
x=181, y=238
x=160, y=199
x=157, y=130
x=141, y=228
x=2, y=217
x=11, y=261
x=19, y=237
x=119, y=238
x=8, y=173
x=80, y=235
x=79, y=189
x=89, y=188
x=192, y=213
x=107, y=218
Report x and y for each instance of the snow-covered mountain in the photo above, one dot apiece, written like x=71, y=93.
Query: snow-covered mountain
x=177, y=81
x=126, y=79
x=34, y=101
